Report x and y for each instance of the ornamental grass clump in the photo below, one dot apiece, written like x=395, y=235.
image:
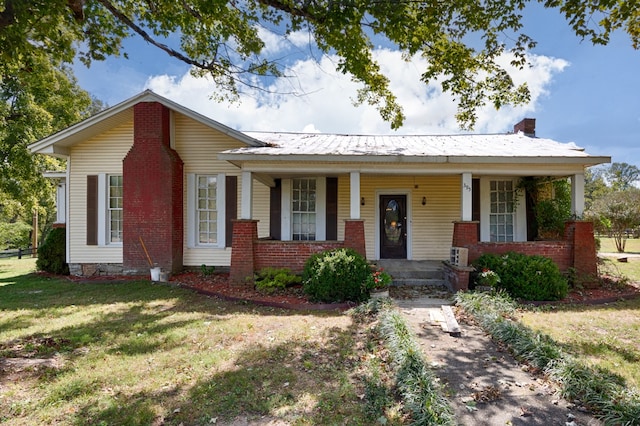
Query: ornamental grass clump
x=600, y=391
x=421, y=394
x=524, y=277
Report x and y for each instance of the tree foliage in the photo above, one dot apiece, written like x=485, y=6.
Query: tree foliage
x=463, y=41
x=616, y=213
x=622, y=176
x=38, y=96
x=594, y=185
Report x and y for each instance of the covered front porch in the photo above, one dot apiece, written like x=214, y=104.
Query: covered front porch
x=437, y=212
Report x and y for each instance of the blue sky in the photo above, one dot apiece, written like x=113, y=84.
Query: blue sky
x=582, y=93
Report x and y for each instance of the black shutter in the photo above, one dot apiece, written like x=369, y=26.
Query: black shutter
x=231, y=207
x=475, y=202
x=92, y=210
x=275, y=213
x=332, y=209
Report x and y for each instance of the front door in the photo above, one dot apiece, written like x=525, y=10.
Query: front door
x=393, y=226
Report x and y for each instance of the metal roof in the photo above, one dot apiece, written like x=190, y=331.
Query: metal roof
x=466, y=145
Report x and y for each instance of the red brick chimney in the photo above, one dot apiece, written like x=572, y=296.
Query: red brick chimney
x=526, y=126
x=152, y=187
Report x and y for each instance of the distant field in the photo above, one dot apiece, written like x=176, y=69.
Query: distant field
x=610, y=265
x=607, y=245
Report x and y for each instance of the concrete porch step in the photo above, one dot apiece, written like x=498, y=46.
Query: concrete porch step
x=419, y=282
x=408, y=270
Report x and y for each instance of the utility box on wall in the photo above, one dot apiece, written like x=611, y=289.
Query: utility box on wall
x=459, y=256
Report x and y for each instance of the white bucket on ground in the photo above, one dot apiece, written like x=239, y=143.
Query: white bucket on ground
x=155, y=274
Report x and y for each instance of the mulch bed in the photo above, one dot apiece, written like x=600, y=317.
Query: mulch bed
x=219, y=285
x=610, y=291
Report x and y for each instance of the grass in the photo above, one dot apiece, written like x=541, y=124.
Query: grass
x=607, y=336
x=610, y=266
x=608, y=245
x=139, y=353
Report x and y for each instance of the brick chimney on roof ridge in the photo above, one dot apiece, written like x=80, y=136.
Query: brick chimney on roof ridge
x=526, y=126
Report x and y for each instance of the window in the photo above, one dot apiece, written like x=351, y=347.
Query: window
x=207, y=210
x=114, y=209
x=303, y=211
x=502, y=210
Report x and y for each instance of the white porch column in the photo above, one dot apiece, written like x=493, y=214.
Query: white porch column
x=246, y=203
x=355, y=195
x=577, y=195
x=466, y=210
x=61, y=202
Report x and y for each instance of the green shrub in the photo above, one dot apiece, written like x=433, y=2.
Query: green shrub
x=207, y=271
x=270, y=280
x=526, y=277
x=336, y=276
x=52, y=253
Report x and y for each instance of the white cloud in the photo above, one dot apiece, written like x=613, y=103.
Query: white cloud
x=324, y=99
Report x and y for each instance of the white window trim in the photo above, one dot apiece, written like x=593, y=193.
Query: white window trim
x=321, y=209
x=520, y=216
x=103, y=217
x=192, y=220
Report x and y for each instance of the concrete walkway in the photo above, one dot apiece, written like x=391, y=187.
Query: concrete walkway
x=483, y=383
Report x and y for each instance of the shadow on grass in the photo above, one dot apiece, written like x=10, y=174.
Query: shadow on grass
x=34, y=298
x=35, y=291
x=615, y=304
x=296, y=379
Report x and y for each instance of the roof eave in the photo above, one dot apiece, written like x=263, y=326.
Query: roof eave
x=239, y=158
x=51, y=145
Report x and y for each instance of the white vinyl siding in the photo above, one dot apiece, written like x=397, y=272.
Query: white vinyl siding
x=430, y=227
x=198, y=147
x=102, y=156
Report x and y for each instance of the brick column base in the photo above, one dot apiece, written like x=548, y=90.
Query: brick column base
x=585, y=259
x=465, y=233
x=354, y=235
x=245, y=233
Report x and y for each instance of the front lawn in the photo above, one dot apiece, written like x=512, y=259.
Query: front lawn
x=139, y=353
x=606, y=336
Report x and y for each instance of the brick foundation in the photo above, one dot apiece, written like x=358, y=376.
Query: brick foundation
x=152, y=194
x=577, y=249
x=289, y=254
x=250, y=254
x=558, y=251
